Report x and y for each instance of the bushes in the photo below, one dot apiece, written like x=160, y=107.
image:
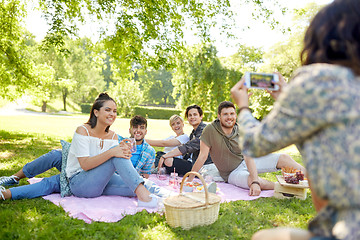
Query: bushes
x=86, y=107
x=156, y=113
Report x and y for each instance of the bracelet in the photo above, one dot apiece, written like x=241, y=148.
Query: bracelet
x=242, y=108
x=255, y=182
x=162, y=156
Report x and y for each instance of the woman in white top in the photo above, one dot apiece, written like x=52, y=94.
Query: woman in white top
x=95, y=155
x=177, y=125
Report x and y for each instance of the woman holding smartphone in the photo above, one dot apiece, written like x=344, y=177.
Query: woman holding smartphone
x=319, y=111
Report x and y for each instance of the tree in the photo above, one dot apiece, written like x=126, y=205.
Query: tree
x=135, y=32
x=127, y=95
x=201, y=79
x=283, y=57
x=15, y=66
x=148, y=32
x=156, y=86
x=42, y=93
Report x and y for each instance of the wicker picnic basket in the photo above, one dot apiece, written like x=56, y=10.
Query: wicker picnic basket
x=192, y=209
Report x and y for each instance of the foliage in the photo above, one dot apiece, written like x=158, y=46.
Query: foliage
x=156, y=86
x=127, y=95
x=79, y=69
x=15, y=66
x=86, y=107
x=202, y=78
x=245, y=59
x=156, y=113
x=199, y=78
x=155, y=25
x=283, y=57
x=41, y=94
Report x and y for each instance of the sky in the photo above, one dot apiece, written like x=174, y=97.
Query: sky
x=260, y=34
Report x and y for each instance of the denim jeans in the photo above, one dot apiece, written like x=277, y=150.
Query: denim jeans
x=115, y=185
x=102, y=180
x=43, y=163
x=47, y=185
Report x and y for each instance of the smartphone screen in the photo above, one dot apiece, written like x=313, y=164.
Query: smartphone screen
x=262, y=80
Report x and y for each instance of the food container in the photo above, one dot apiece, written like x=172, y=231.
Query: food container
x=192, y=209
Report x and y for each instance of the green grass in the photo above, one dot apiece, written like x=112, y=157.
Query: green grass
x=23, y=138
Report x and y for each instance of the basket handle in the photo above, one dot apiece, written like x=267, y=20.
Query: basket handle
x=203, y=182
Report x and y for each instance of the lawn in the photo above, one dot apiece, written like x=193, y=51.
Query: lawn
x=23, y=138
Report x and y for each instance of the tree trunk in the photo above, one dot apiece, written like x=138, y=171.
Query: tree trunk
x=65, y=93
x=43, y=107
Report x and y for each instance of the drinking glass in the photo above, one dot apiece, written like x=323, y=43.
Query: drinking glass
x=133, y=145
x=162, y=174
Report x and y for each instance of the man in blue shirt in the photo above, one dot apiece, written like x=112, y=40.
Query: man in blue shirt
x=144, y=156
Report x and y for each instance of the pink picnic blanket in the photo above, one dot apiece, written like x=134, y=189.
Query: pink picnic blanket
x=114, y=208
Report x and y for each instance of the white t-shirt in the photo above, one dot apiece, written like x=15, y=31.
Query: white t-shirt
x=85, y=146
x=182, y=139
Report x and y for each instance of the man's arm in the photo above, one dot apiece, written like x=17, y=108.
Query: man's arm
x=253, y=180
x=204, y=152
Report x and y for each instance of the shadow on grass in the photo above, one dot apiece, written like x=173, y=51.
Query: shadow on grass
x=41, y=219
x=17, y=149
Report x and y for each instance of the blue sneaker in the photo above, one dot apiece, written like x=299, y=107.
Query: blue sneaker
x=9, y=181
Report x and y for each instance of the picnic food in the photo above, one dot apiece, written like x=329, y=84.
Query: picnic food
x=294, y=178
x=288, y=170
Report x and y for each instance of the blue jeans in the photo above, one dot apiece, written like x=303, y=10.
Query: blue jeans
x=47, y=185
x=102, y=180
x=115, y=185
x=43, y=163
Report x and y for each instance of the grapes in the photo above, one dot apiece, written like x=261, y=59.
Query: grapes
x=294, y=179
x=299, y=175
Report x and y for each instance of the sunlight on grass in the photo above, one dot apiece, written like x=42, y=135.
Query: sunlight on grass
x=6, y=155
x=7, y=165
x=158, y=232
x=33, y=215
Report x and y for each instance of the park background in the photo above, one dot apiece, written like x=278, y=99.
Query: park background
x=154, y=58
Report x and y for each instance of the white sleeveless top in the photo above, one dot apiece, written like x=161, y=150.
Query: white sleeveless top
x=86, y=146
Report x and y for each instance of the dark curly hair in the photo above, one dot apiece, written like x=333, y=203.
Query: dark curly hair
x=99, y=102
x=138, y=120
x=334, y=36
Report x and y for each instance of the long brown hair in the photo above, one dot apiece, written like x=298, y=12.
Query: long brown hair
x=334, y=36
x=99, y=102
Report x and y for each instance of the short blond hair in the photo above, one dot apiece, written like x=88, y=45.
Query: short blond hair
x=175, y=117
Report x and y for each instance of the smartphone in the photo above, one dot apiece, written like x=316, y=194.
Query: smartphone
x=261, y=80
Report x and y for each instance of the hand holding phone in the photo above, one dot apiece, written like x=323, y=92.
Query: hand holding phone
x=261, y=80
